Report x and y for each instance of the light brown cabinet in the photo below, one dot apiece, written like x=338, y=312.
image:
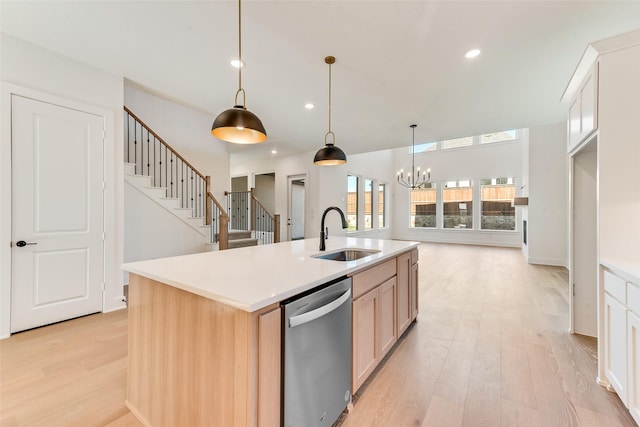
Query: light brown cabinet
x=407, y=289
x=182, y=351
x=374, y=329
x=385, y=302
x=413, y=287
x=405, y=308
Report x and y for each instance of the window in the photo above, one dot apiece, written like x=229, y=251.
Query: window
x=352, y=202
x=423, y=206
x=368, y=204
x=507, y=135
x=421, y=148
x=457, y=142
x=497, y=212
x=457, y=204
x=381, y=206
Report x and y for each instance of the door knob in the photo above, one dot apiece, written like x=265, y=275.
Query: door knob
x=22, y=243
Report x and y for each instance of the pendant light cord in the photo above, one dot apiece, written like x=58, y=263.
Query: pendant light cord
x=330, y=60
x=330, y=98
x=413, y=156
x=244, y=95
x=240, y=45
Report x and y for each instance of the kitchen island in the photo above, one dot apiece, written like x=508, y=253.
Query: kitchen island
x=205, y=329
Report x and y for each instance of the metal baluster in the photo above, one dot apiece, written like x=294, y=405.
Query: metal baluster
x=192, y=201
x=135, y=147
x=155, y=162
x=128, y=136
x=171, y=156
x=148, y=157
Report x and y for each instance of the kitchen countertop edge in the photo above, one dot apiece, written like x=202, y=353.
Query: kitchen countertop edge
x=163, y=270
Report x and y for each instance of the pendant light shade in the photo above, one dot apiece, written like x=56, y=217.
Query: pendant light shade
x=239, y=125
x=330, y=155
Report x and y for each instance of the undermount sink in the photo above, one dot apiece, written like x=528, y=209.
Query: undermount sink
x=346, y=254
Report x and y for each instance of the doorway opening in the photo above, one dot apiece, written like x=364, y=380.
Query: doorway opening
x=296, y=208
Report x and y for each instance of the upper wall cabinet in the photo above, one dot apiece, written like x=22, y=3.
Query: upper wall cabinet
x=583, y=110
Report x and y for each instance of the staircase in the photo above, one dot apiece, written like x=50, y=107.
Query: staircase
x=159, y=172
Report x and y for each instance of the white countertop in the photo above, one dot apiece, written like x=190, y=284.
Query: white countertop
x=254, y=277
x=630, y=270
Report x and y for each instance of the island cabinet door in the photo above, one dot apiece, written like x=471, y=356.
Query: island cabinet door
x=404, y=292
x=365, y=353
x=387, y=318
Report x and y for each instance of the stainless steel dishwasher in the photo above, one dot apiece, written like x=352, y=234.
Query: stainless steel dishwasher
x=317, y=355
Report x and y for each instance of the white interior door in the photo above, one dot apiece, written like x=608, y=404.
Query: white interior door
x=57, y=213
x=584, y=265
x=295, y=219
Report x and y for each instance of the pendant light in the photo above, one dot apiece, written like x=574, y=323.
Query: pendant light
x=413, y=179
x=330, y=155
x=237, y=124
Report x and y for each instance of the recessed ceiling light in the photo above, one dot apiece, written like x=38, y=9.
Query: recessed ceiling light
x=274, y=151
x=236, y=63
x=308, y=106
x=472, y=53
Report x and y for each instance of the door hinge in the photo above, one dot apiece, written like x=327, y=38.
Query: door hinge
x=104, y=286
x=104, y=185
x=574, y=289
x=104, y=236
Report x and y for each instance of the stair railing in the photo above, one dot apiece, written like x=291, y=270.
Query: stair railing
x=154, y=157
x=248, y=214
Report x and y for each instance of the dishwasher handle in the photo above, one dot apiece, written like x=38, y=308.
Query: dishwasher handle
x=301, y=319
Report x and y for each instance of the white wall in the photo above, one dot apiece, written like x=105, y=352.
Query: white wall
x=265, y=191
x=188, y=131
x=151, y=231
x=27, y=68
x=619, y=158
x=547, y=189
x=474, y=163
x=523, y=191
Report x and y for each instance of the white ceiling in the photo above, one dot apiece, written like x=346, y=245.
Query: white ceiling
x=398, y=62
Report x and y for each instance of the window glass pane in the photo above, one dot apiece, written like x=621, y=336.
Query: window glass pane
x=457, y=142
x=423, y=206
x=381, y=206
x=497, y=212
x=421, y=148
x=457, y=204
x=507, y=135
x=368, y=205
x=352, y=202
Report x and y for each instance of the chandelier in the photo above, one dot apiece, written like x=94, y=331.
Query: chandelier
x=414, y=179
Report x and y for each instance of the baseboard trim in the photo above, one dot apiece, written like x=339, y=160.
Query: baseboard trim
x=548, y=261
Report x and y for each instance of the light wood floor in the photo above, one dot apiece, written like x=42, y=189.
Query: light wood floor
x=490, y=348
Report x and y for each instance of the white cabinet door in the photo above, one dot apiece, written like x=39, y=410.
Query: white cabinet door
x=633, y=351
x=615, y=336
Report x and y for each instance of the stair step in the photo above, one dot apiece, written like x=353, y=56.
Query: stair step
x=140, y=181
x=239, y=234
x=241, y=243
x=129, y=168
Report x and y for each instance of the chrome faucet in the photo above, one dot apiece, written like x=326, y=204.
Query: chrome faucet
x=322, y=229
